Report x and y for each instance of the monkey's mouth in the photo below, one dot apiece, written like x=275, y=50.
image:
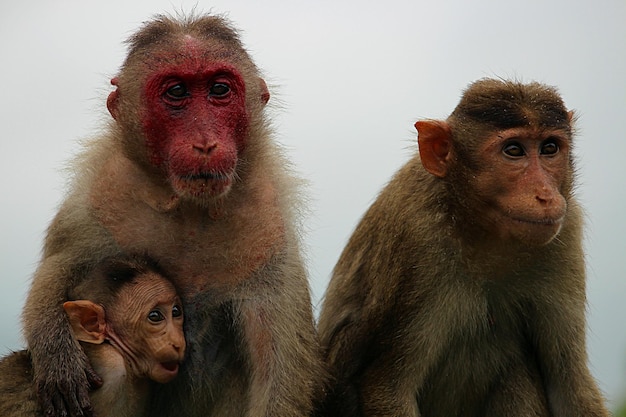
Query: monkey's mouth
x=541, y=221
x=207, y=176
x=163, y=372
x=203, y=184
x=171, y=366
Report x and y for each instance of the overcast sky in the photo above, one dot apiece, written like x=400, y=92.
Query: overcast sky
x=348, y=80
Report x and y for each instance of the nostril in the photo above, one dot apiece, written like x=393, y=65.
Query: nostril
x=204, y=148
x=178, y=347
x=544, y=199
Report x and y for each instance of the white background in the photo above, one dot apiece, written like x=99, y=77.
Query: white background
x=348, y=80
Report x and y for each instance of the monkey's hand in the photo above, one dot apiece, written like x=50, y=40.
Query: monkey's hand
x=63, y=389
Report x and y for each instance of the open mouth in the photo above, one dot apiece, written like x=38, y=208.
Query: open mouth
x=171, y=366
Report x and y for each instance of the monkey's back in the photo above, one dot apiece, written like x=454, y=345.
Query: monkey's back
x=380, y=245
x=372, y=276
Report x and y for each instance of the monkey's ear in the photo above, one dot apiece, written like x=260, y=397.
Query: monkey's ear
x=571, y=116
x=112, y=100
x=265, y=92
x=434, y=139
x=87, y=320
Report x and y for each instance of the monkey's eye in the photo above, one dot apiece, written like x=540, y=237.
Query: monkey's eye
x=177, y=311
x=219, y=90
x=155, y=316
x=549, y=147
x=514, y=150
x=177, y=92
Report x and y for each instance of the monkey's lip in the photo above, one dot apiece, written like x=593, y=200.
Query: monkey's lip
x=171, y=366
x=203, y=184
x=545, y=221
x=207, y=176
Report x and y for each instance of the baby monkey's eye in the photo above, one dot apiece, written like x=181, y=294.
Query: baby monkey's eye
x=155, y=316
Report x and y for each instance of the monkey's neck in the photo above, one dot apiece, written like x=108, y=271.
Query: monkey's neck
x=122, y=394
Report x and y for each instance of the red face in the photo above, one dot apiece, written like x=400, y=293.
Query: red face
x=522, y=183
x=195, y=123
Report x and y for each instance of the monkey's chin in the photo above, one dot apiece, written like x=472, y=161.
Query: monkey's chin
x=202, y=188
x=164, y=372
x=538, y=232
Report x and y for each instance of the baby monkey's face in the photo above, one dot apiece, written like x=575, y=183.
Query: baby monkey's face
x=148, y=322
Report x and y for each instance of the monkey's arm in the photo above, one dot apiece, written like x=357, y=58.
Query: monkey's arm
x=381, y=353
x=560, y=330
x=278, y=330
x=416, y=342
x=62, y=373
x=571, y=389
x=347, y=350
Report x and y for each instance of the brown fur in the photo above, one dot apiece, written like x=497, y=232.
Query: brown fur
x=17, y=393
x=252, y=348
x=432, y=310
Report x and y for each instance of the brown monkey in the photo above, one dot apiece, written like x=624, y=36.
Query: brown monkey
x=462, y=290
x=187, y=172
x=139, y=338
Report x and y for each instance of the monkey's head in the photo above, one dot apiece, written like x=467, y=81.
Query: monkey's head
x=144, y=317
x=188, y=99
x=504, y=156
x=146, y=322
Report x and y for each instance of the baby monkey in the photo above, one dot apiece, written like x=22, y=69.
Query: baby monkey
x=129, y=322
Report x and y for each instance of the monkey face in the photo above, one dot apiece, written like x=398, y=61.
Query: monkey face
x=186, y=116
x=195, y=123
x=147, y=324
x=521, y=184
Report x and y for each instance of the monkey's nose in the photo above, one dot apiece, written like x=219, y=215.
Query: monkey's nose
x=543, y=199
x=545, y=194
x=179, y=347
x=204, y=148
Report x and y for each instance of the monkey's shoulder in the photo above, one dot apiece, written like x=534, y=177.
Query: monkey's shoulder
x=402, y=223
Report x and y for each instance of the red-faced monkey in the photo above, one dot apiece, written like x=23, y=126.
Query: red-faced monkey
x=130, y=324
x=462, y=290
x=187, y=172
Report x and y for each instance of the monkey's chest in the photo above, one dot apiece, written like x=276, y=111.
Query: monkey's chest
x=199, y=251
x=491, y=348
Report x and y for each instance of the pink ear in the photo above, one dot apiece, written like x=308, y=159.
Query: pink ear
x=112, y=100
x=87, y=320
x=265, y=93
x=434, y=139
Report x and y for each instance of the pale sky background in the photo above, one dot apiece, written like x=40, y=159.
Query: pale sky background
x=350, y=78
